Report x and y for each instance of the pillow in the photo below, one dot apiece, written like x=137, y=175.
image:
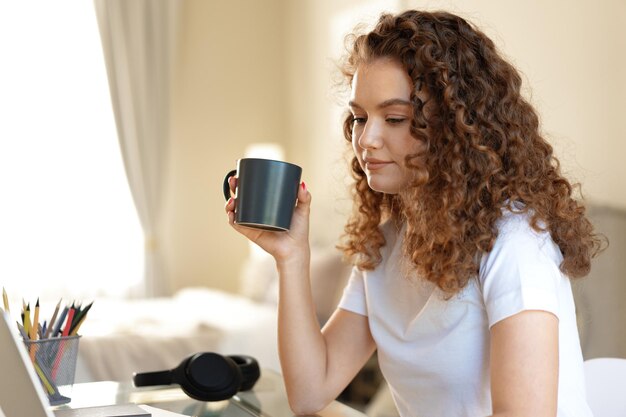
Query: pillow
x=329, y=274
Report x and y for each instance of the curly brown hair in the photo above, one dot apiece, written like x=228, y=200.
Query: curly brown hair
x=483, y=152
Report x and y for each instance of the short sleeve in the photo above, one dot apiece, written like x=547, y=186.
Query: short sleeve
x=521, y=273
x=353, y=298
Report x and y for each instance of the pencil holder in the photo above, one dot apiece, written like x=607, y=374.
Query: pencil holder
x=54, y=360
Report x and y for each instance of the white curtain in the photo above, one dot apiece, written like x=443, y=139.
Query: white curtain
x=138, y=39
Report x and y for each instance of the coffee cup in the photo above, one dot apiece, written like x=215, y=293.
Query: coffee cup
x=266, y=193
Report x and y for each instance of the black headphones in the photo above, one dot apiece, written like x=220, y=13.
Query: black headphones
x=207, y=376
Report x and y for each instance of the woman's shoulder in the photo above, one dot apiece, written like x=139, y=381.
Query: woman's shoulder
x=516, y=236
x=515, y=222
x=521, y=271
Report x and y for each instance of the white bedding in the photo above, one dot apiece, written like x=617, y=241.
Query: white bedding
x=125, y=336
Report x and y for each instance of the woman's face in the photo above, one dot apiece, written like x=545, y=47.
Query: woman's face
x=382, y=110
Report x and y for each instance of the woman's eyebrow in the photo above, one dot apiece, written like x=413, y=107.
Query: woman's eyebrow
x=386, y=103
x=394, y=102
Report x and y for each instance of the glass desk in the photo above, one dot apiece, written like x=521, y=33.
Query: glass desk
x=266, y=399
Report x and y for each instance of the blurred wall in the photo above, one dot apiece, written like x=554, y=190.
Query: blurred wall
x=264, y=71
x=228, y=91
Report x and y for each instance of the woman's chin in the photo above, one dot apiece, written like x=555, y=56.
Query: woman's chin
x=382, y=186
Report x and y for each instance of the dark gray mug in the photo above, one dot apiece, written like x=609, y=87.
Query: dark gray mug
x=266, y=193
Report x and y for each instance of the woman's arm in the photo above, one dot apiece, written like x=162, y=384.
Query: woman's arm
x=316, y=364
x=525, y=365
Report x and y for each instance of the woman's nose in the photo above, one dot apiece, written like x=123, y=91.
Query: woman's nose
x=371, y=137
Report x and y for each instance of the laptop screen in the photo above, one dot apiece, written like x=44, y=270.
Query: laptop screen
x=21, y=393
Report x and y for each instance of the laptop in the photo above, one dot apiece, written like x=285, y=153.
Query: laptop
x=21, y=393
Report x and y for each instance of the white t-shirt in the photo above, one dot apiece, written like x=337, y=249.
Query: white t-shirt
x=434, y=353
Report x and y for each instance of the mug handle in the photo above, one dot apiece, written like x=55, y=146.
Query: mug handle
x=226, y=186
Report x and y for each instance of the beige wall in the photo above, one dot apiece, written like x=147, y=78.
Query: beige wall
x=254, y=71
x=227, y=93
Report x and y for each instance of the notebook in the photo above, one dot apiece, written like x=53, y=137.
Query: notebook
x=21, y=393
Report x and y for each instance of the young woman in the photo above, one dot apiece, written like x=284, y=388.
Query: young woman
x=464, y=237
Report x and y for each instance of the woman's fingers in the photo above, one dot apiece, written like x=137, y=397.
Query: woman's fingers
x=229, y=207
x=252, y=234
x=232, y=183
x=278, y=244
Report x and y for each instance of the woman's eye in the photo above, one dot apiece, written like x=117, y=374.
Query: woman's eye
x=395, y=120
x=358, y=120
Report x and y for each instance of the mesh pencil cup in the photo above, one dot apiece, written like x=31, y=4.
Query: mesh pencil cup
x=54, y=360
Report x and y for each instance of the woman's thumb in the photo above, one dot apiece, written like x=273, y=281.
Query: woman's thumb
x=304, y=198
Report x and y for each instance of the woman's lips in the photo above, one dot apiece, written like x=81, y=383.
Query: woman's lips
x=374, y=164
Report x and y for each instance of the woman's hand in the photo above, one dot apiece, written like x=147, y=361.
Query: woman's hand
x=282, y=246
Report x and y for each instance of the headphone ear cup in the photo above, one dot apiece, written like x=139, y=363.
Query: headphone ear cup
x=250, y=371
x=208, y=377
